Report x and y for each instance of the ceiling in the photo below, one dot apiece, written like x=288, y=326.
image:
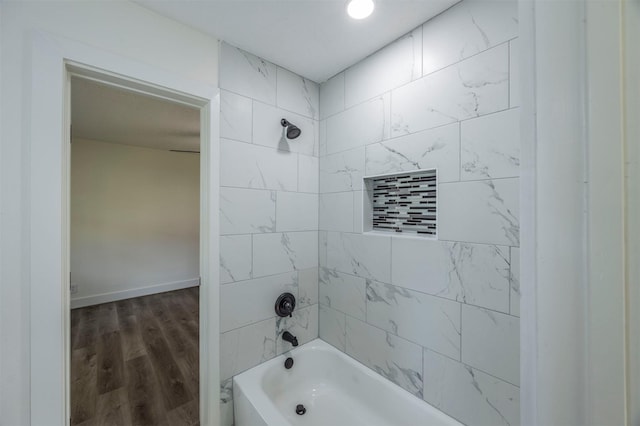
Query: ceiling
x=109, y=114
x=313, y=38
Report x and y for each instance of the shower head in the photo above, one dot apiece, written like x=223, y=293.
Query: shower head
x=292, y=130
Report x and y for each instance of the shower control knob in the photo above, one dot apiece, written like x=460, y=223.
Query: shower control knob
x=285, y=304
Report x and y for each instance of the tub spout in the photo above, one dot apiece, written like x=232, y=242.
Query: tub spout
x=288, y=337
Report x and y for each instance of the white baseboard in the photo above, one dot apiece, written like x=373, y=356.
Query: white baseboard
x=97, y=299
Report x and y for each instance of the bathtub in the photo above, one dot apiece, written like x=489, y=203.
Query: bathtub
x=334, y=389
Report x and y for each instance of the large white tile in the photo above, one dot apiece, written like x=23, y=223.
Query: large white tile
x=343, y=292
x=342, y=171
x=476, y=86
x=307, y=287
x=514, y=73
x=358, y=215
x=470, y=27
x=246, y=347
x=322, y=248
x=490, y=146
x=247, y=75
x=336, y=212
x=297, y=94
x=469, y=395
x=515, y=281
x=394, y=65
x=476, y=274
x=268, y=131
x=363, y=124
x=259, y=294
x=332, y=327
x=491, y=343
x=482, y=212
x=322, y=137
x=244, y=211
x=281, y=252
x=235, y=116
x=303, y=324
x=235, y=258
x=367, y=256
x=431, y=321
x=332, y=96
x=226, y=402
x=390, y=356
x=308, y=173
x=296, y=211
x=435, y=148
x=250, y=166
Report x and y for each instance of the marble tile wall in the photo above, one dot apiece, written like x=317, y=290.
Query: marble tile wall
x=269, y=208
x=437, y=317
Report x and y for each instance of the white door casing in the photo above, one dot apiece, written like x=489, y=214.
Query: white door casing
x=53, y=60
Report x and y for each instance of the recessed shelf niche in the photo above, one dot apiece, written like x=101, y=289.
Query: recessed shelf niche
x=403, y=203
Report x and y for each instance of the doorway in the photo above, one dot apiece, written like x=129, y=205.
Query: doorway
x=134, y=257
x=54, y=61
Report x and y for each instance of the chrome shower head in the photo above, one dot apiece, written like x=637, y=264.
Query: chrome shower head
x=292, y=130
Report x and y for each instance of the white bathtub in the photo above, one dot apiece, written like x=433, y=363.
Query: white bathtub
x=335, y=389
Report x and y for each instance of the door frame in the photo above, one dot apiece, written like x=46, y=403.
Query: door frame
x=52, y=62
x=631, y=88
x=573, y=225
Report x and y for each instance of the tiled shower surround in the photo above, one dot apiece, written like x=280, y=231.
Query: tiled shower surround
x=268, y=212
x=437, y=317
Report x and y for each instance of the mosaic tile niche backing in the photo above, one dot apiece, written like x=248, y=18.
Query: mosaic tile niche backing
x=404, y=202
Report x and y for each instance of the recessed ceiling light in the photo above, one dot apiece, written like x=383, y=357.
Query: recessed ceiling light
x=360, y=9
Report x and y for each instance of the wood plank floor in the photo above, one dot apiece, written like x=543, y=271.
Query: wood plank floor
x=135, y=361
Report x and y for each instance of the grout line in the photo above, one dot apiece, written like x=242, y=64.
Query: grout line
x=275, y=203
x=509, y=73
x=298, y=173
x=274, y=317
x=426, y=294
x=253, y=260
x=308, y=231
x=421, y=51
x=253, y=114
x=274, y=105
x=261, y=277
x=461, y=324
x=510, y=276
x=277, y=72
x=394, y=138
x=422, y=370
x=268, y=189
x=344, y=91
x=480, y=180
x=418, y=79
x=459, y=151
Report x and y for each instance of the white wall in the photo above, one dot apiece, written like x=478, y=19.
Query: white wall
x=268, y=212
x=437, y=317
x=134, y=221
x=120, y=27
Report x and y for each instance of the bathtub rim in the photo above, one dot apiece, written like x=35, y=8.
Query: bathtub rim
x=249, y=382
